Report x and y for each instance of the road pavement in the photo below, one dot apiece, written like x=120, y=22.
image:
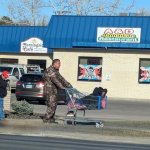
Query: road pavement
x=8, y=142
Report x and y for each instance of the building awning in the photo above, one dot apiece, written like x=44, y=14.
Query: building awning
x=81, y=31
x=110, y=45
x=75, y=31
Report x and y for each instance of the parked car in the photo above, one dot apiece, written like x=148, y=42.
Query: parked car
x=30, y=87
x=15, y=73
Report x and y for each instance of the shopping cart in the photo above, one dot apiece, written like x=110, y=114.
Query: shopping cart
x=76, y=102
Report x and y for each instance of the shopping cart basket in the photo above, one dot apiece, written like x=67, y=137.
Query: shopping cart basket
x=76, y=102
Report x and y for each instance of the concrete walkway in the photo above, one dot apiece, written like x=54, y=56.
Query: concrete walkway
x=37, y=128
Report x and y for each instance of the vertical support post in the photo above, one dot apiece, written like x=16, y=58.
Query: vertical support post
x=106, y=101
x=99, y=102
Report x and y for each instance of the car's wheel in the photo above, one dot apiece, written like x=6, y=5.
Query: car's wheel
x=19, y=99
x=42, y=102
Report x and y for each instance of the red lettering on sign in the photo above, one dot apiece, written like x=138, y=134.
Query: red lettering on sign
x=118, y=31
x=129, y=31
x=108, y=31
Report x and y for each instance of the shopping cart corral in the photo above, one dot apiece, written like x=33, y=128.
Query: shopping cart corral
x=77, y=101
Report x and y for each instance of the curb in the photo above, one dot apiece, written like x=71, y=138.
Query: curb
x=86, y=137
x=37, y=128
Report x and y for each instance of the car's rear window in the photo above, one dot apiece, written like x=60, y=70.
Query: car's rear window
x=31, y=78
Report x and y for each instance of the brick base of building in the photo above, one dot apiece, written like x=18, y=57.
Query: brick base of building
x=7, y=101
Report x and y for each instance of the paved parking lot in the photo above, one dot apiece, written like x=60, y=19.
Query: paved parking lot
x=41, y=108
x=116, y=110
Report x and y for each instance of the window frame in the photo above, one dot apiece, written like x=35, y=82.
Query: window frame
x=78, y=70
x=7, y=60
x=21, y=71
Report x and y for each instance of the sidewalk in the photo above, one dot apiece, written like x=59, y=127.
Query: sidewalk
x=37, y=128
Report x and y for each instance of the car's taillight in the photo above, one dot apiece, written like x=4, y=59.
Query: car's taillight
x=40, y=85
x=39, y=94
x=19, y=83
x=18, y=93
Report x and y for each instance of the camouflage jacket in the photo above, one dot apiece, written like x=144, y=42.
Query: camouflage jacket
x=54, y=81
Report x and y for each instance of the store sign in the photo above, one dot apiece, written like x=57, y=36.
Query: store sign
x=108, y=77
x=33, y=45
x=127, y=35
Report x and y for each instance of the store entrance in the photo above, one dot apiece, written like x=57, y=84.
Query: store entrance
x=42, y=63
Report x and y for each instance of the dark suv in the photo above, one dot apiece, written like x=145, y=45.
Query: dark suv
x=30, y=87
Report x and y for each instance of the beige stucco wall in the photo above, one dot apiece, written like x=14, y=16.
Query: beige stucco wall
x=123, y=67
x=23, y=58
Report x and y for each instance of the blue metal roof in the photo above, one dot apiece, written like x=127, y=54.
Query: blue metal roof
x=74, y=31
x=81, y=31
x=12, y=36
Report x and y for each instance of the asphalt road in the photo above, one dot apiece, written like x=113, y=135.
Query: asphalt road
x=8, y=142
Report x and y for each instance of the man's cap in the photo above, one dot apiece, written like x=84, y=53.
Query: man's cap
x=5, y=74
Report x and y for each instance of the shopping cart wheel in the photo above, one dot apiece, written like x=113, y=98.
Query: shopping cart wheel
x=99, y=125
x=74, y=123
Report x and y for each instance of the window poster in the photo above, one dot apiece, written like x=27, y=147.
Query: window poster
x=89, y=72
x=144, y=75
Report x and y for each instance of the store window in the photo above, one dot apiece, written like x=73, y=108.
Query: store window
x=144, y=71
x=41, y=63
x=90, y=69
x=8, y=61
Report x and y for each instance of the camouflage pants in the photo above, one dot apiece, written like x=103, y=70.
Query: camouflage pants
x=51, y=107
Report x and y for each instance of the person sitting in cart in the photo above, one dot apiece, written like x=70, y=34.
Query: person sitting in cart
x=99, y=91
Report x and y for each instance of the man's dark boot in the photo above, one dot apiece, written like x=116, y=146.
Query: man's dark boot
x=44, y=119
x=52, y=120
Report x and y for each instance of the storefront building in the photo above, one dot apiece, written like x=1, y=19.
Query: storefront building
x=24, y=45
x=112, y=52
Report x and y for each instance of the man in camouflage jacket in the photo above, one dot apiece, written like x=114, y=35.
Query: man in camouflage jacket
x=53, y=82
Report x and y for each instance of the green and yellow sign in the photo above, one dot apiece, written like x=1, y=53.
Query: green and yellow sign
x=128, y=35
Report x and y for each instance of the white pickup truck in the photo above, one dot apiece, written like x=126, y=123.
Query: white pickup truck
x=15, y=72
x=31, y=68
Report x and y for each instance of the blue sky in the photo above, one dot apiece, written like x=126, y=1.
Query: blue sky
x=138, y=4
